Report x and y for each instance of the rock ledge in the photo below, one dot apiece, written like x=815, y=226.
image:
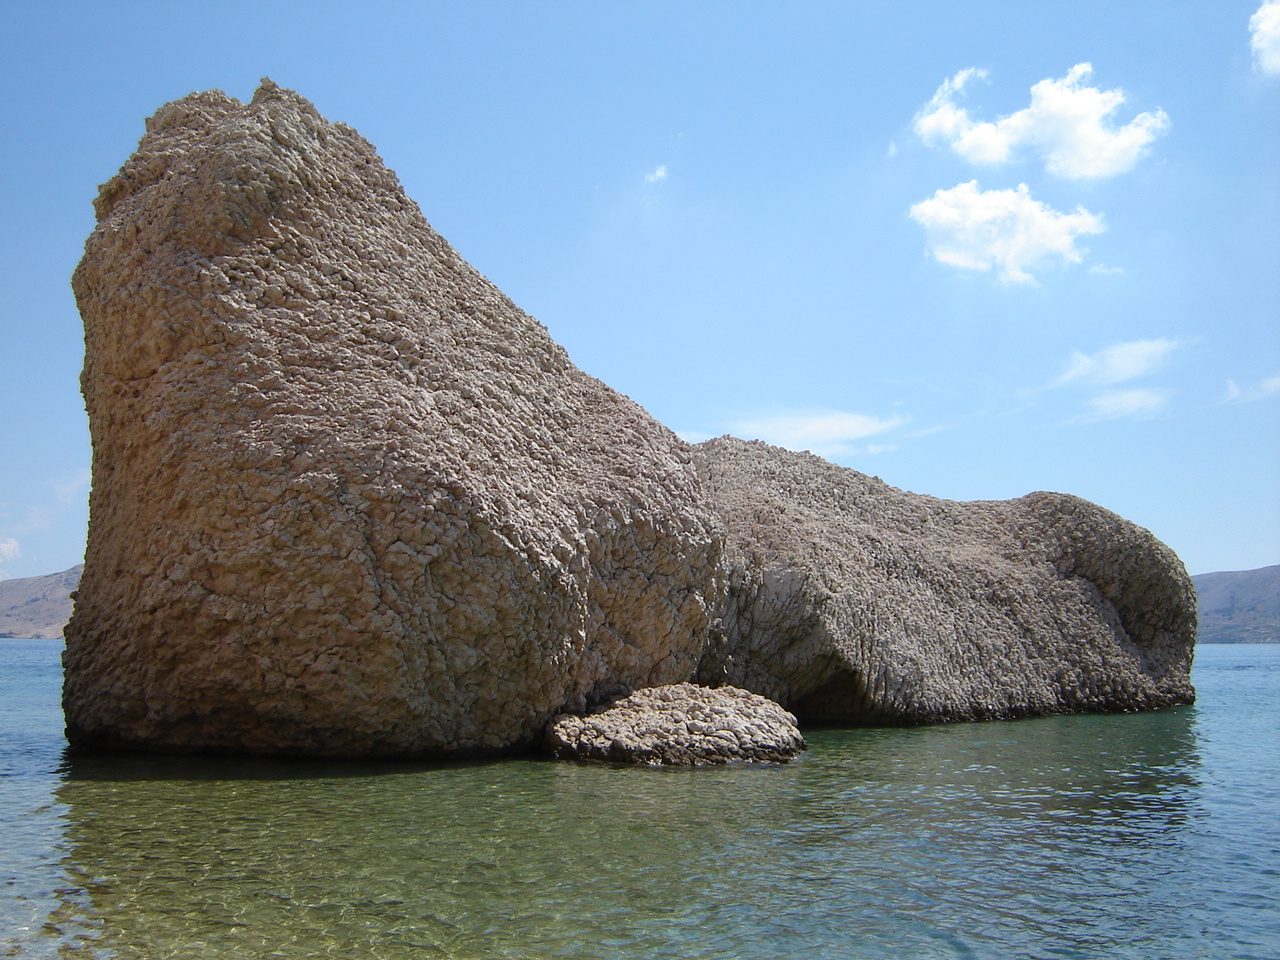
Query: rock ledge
x=681, y=724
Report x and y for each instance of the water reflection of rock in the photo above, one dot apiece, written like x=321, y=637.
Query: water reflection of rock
x=1017, y=835
x=310, y=860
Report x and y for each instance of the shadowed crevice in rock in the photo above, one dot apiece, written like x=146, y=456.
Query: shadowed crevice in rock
x=853, y=601
x=347, y=498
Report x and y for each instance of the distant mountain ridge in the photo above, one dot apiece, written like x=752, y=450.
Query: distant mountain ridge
x=37, y=607
x=1236, y=606
x=1239, y=606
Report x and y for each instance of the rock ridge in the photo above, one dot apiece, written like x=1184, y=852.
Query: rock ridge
x=854, y=601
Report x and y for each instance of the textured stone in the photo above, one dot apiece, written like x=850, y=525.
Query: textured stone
x=347, y=498
x=851, y=600
x=681, y=724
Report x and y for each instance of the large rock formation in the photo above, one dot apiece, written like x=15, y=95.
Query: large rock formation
x=850, y=600
x=680, y=724
x=347, y=498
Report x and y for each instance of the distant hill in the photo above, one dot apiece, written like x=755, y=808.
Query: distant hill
x=37, y=606
x=1240, y=606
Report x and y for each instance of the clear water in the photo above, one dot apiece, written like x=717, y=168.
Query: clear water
x=1145, y=836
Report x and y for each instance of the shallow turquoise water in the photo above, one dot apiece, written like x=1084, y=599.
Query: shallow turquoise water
x=1145, y=836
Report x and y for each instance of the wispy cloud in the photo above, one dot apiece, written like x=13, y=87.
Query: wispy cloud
x=658, y=174
x=1264, y=37
x=1068, y=125
x=1264, y=390
x=977, y=230
x=828, y=433
x=1139, y=402
x=1119, y=362
x=9, y=550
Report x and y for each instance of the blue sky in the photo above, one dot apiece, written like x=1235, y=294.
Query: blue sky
x=976, y=249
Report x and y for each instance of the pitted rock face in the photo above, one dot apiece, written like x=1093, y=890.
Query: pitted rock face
x=681, y=724
x=347, y=498
x=851, y=600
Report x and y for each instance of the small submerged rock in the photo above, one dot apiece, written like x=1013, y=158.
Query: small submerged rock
x=681, y=724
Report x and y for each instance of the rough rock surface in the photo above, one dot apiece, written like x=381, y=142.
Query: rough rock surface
x=347, y=498
x=681, y=724
x=851, y=600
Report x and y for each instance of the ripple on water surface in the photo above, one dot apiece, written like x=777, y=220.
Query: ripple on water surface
x=1074, y=837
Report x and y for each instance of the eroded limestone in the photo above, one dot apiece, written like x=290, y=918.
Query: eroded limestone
x=680, y=724
x=853, y=601
x=347, y=498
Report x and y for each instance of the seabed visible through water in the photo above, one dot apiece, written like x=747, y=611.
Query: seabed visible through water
x=1152, y=836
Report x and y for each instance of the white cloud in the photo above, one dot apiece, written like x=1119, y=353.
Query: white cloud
x=940, y=120
x=1266, y=389
x=1139, y=402
x=9, y=550
x=976, y=229
x=1068, y=125
x=1264, y=36
x=1119, y=362
x=1105, y=271
x=659, y=174
x=828, y=433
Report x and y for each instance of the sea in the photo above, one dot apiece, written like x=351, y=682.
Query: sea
x=1152, y=836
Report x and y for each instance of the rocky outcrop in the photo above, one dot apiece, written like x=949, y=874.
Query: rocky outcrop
x=347, y=498
x=37, y=607
x=680, y=724
x=850, y=600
